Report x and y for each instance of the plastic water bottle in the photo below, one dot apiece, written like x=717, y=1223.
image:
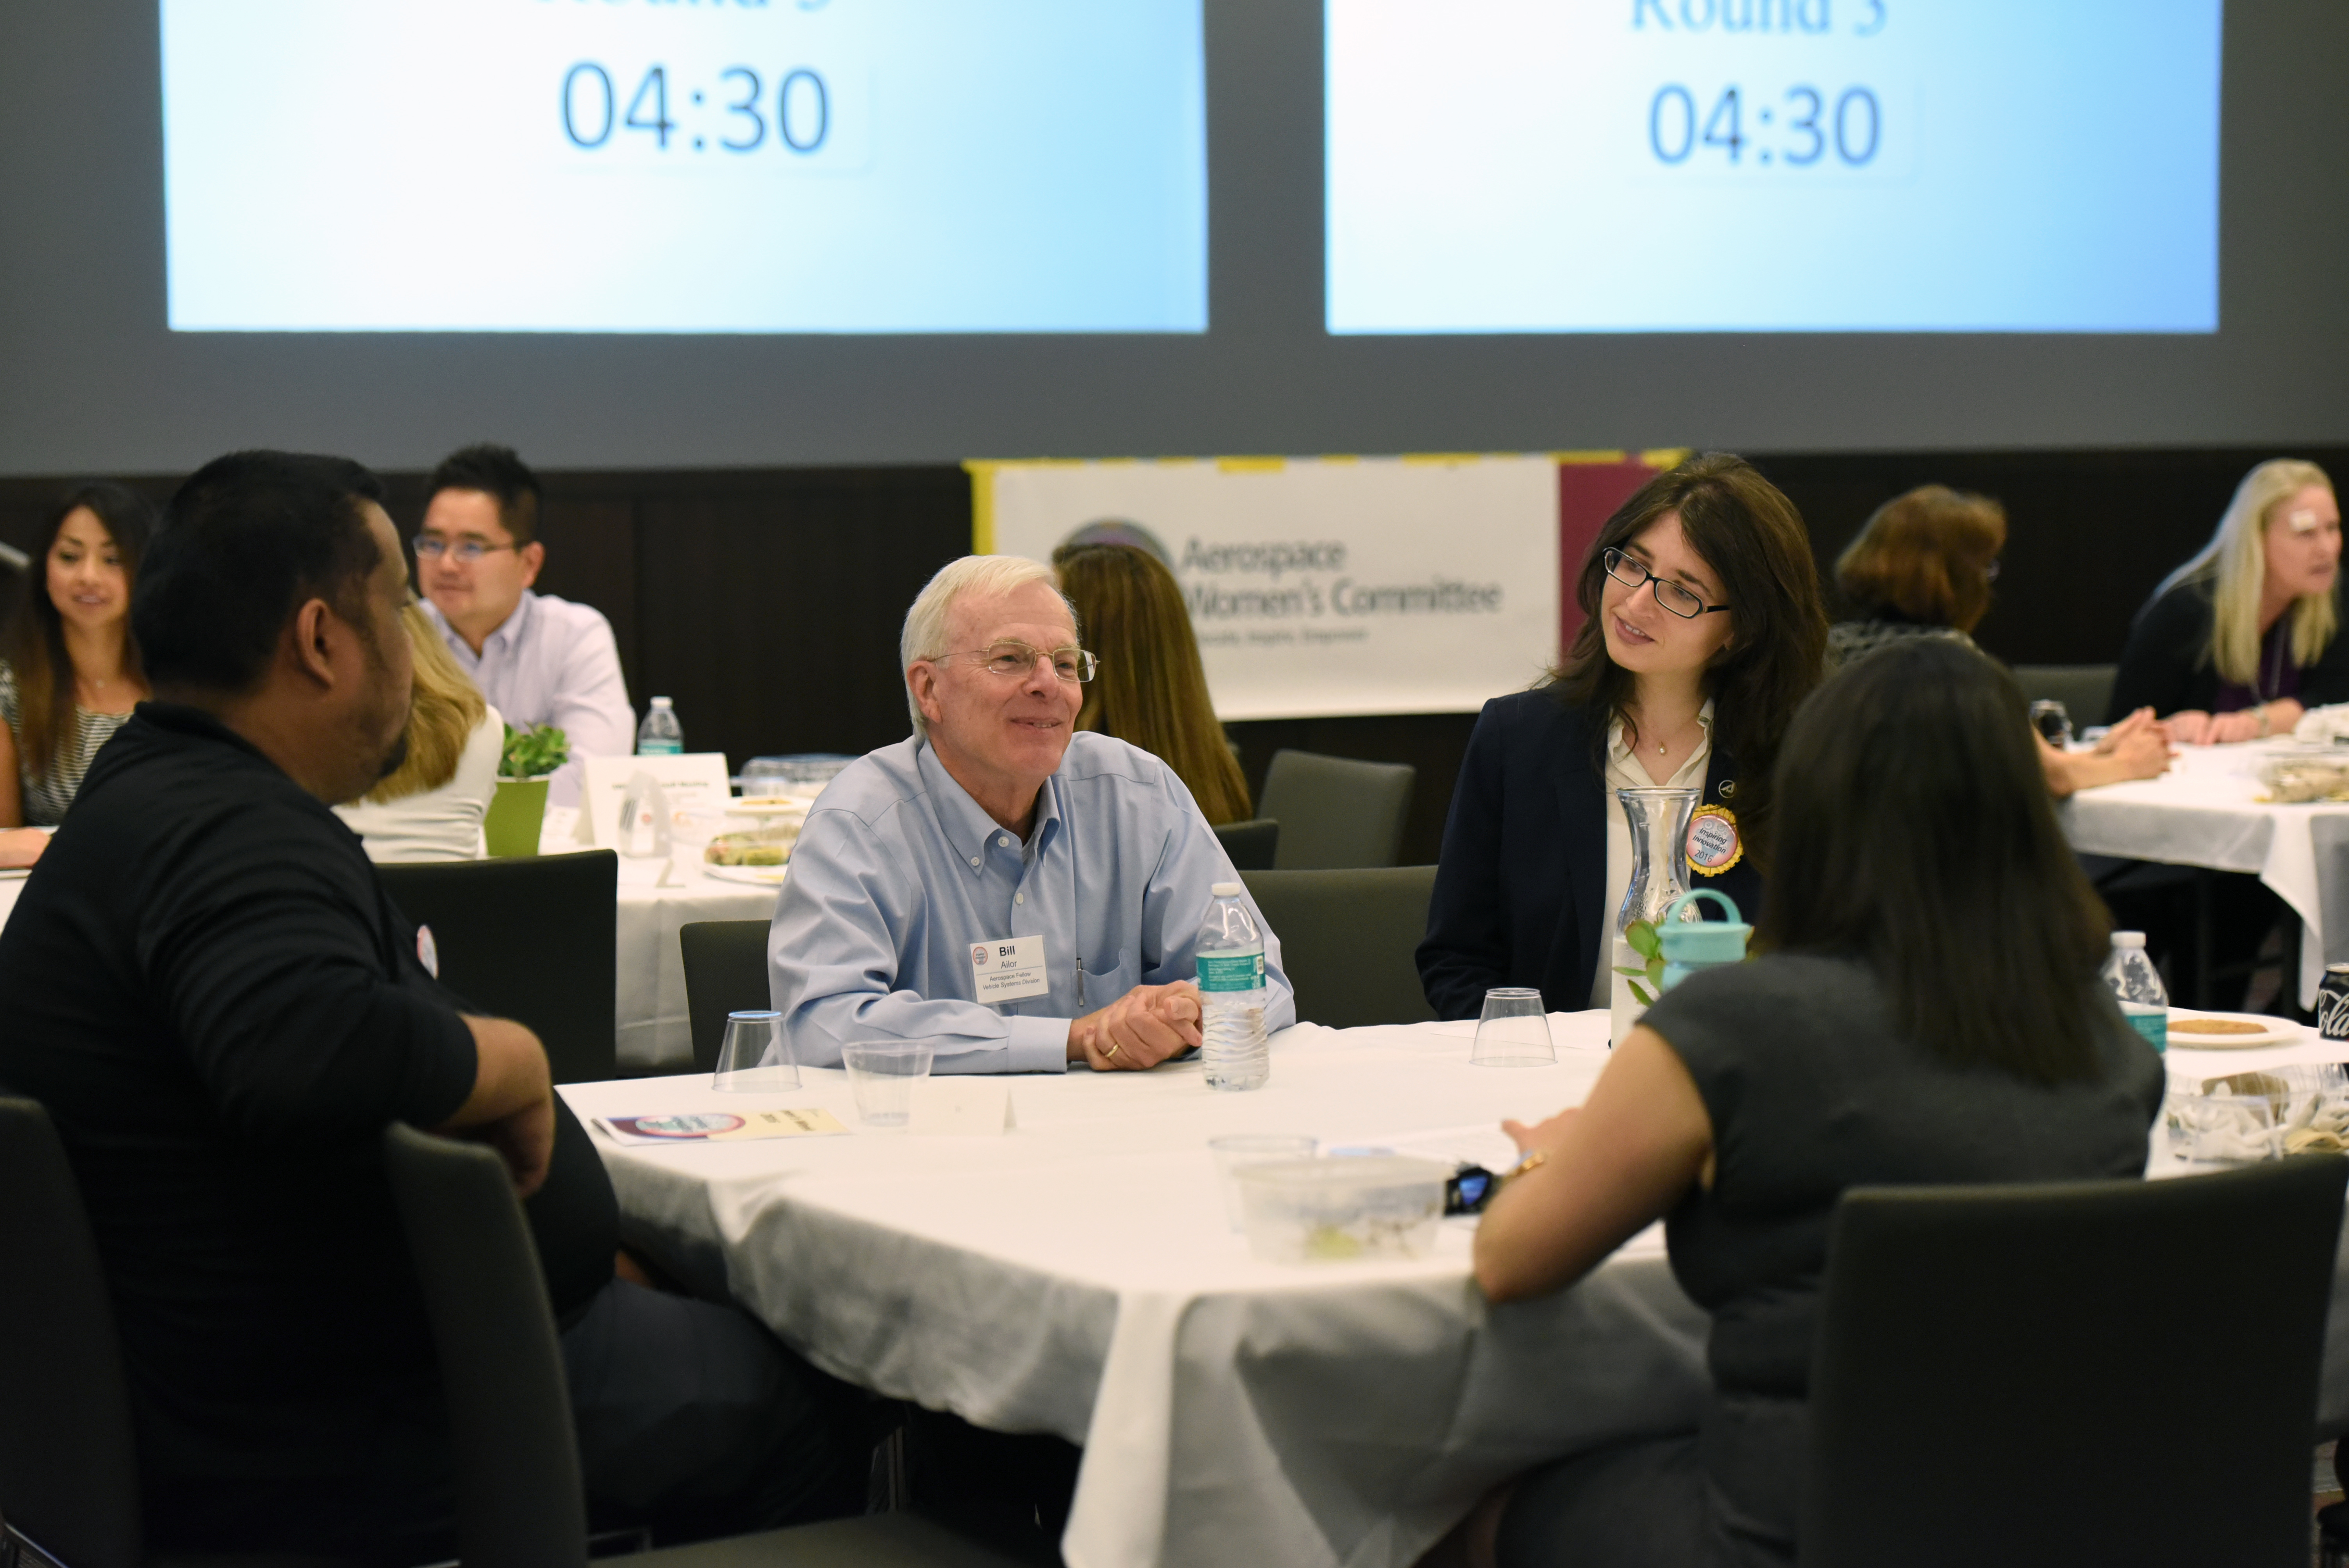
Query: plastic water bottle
x=2138, y=986
x=1232, y=993
x=660, y=735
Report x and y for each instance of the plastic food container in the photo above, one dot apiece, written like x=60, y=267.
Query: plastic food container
x=759, y=832
x=2295, y=779
x=1329, y=1211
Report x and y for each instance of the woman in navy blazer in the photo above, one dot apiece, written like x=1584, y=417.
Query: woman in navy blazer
x=1703, y=626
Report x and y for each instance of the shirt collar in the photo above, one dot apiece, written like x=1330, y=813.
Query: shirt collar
x=1617, y=752
x=968, y=829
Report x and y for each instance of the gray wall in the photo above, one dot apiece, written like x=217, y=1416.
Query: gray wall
x=90, y=381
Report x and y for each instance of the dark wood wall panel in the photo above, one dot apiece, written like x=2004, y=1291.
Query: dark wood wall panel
x=767, y=602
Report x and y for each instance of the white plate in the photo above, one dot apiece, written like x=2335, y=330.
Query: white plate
x=2275, y=1032
x=756, y=876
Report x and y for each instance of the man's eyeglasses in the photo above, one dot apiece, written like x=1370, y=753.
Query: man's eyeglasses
x=1013, y=660
x=1634, y=575
x=431, y=547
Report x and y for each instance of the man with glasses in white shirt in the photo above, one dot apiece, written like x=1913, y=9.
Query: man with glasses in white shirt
x=1021, y=895
x=538, y=659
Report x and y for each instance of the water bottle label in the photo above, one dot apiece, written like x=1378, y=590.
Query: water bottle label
x=2153, y=1023
x=1231, y=971
x=660, y=748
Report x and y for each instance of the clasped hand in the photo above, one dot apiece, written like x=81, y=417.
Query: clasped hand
x=1140, y=1030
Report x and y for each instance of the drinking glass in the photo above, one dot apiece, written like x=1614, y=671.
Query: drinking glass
x=1514, y=1031
x=883, y=1073
x=754, y=1059
x=1236, y=1152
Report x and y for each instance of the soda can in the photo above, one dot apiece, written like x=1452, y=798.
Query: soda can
x=2332, y=1003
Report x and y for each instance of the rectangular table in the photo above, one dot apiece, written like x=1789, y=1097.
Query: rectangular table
x=1077, y=1276
x=2206, y=811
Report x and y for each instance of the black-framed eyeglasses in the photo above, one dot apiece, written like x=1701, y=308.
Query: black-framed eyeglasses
x=1634, y=574
x=431, y=547
x=1013, y=660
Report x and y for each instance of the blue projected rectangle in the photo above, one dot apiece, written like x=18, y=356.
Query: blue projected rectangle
x=1773, y=165
x=684, y=166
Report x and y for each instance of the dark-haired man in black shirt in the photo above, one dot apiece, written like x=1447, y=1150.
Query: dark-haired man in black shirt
x=222, y=1010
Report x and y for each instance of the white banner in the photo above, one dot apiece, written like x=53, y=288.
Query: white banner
x=1324, y=585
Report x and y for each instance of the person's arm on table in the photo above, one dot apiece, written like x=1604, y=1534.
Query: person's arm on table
x=832, y=965
x=2136, y=747
x=1594, y=1178
x=20, y=847
x=512, y=1105
x=1140, y=1030
x=2276, y=716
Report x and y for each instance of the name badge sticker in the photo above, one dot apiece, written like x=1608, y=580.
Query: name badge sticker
x=1714, y=843
x=1010, y=969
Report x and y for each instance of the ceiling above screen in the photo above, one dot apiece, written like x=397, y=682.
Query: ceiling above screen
x=667, y=166
x=1773, y=165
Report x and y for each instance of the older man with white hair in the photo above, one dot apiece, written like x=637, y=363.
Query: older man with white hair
x=1019, y=894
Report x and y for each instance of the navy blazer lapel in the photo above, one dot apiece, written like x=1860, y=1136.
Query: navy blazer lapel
x=1582, y=824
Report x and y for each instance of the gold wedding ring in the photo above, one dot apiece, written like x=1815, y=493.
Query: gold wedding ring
x=1110, y=1055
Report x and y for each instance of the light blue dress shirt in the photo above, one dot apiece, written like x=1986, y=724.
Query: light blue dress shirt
x=898, y=873
x=554, y=662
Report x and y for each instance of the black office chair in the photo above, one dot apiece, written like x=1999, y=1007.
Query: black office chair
x=2085, y=690
x=1348, y=940
x=1335, y=813
x=529, y=939
x=519, y=1498
x=68, y=1470
x=725, y=972
x=1251, y=845
x=2079, y=1372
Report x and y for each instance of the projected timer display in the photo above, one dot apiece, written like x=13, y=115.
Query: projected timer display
x=685, y=165
x=1773, y=165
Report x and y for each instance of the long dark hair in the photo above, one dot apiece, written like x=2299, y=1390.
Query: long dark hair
x=1915, y=832
x=1752, y=538
x=1151, y=690
x=37, y=635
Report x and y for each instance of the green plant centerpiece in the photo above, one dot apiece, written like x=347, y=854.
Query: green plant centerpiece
x=1642, y=937
x=518, y=810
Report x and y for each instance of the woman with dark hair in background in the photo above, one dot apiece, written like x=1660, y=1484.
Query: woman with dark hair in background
x=1923, y=566
x=1926, y=1009
x=1152, y=691
x=1701, y=632
x=71, y=674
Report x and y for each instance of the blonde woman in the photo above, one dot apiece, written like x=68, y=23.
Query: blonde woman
x=2239, y=640
x=1152, y=691
x=430, y=807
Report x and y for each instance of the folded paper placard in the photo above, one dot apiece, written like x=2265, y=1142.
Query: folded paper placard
x=722, y=1125
x=961, y=1105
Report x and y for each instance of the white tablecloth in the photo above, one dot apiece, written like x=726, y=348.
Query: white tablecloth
x=1077, y=1276
x=2206, y=813
x=11, y=887
x=649, y=1018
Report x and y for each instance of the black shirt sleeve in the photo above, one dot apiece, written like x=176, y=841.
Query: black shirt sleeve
x=2167, y=665
x=266, y=958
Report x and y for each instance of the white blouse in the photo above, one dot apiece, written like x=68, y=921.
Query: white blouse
x=443, y=824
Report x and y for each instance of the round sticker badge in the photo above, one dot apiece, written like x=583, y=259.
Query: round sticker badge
x=428, y=951
x=1714, y=844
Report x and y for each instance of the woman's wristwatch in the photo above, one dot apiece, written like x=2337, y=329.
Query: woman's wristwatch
x=2266, y=722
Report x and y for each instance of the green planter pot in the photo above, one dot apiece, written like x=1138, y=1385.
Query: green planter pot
x=516, y=813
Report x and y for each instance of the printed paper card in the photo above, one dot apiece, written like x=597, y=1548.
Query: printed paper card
x=722, y=1125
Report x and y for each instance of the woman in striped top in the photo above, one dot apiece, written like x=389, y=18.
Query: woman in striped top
x=71, y=673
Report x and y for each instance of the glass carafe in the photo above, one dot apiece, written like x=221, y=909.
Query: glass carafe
x=1659, y=825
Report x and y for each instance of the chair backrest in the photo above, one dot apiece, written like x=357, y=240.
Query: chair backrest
x=1335, y=813
x=725, y=972
x=2080, y=1372
x=68, y=1471
x=1349, y=941
x=1251, y=845
x=530, y=939
x=520, y=1503
x=2085, y=690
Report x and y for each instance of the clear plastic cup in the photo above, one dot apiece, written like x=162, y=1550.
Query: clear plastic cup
x=883, y=1073
x=754, y=1057
x=1236, y=1151
x=1514, y=1031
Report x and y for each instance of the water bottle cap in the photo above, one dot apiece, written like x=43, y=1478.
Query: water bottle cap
x=1228, y=889
x=661, y=702
x=2128, y=939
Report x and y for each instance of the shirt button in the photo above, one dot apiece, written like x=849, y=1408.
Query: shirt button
x=973, y=859
x=1005, y=841
x=1019, y=898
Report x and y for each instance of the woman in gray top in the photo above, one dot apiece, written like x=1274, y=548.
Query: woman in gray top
x=70, y=675
x=1927, y=1010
